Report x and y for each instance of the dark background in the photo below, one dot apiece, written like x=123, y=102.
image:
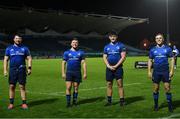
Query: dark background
x=155, y=10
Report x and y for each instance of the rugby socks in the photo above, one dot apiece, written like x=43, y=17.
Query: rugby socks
x=121, y=101
x=156, y=96
x=169, y=97
x=68, y=99
x=75, y=95
x=169, y=100
x=109, y=99
x=23, y=101
x=11, y=100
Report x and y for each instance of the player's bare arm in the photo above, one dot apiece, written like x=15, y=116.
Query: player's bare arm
x=63, y=69
x=29, y=61
x=6, y=58
x=149, y=68
x=171, y=73
x=83, y=62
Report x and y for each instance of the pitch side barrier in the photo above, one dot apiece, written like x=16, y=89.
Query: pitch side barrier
x=44, y=55
x=140, y=64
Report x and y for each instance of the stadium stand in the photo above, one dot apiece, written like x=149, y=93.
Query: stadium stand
x=48, y=33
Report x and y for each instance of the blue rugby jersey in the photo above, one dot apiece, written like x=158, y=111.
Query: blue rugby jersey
x=160, y=56
x=113, y=52
x=17, y=55
x=73, y=59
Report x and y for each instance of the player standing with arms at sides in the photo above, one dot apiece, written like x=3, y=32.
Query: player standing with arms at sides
x=17, y=54
x=158, y=57
x=114, y=56
x=74, y=58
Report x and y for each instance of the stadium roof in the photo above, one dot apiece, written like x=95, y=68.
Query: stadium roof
x=62, y=22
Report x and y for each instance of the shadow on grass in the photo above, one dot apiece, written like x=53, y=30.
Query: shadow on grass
x=176, y=104
x=130, y=100
x=91, y=100
x=43, y=101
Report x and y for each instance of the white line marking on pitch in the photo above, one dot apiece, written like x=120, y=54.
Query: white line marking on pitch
x=57, y=93
x=106, y=87
x=173, y=116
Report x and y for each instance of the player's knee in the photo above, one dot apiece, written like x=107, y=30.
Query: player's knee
x=109, y=85
x=167, y=89
x=156, y=89
x=12, y=87
x=22, y=87
x=68, y=88
x=120, y=86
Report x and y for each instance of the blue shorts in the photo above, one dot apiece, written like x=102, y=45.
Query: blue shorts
x=157, y=77
x=117, y=74
x=17, y=75
x=74, y=76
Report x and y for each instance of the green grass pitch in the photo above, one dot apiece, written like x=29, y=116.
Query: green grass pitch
x=46, y=93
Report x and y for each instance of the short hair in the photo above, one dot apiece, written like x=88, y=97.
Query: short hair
x=17, y=34
x=160, y=35
x=75, y=38
x=112, y=33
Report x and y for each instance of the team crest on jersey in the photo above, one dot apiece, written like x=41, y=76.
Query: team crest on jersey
x=108, y=48
x=165, y=51
x=12, y=50
x=22, y=49
x=117, y=47
x=79, y=54
x=69, y=54
x=155, y=51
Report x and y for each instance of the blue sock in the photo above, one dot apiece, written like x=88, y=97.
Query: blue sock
x=169, y=99
x=23, y=101
x=109, y=99
x=11, y=100
x=68, y=99
x=121, y=100
x=75, y=95
x=156, y=96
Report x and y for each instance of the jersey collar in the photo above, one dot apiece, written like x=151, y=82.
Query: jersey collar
x=113, y=43
x=73, y=49
x=15, y=45
x=160, y=46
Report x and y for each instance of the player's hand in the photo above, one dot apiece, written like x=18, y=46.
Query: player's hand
x=171, y=74
x=28, y=71
x=150, y=75
x=114, y=67
x=84, y=76
x=63, y=76
x=111, y=67
x=5, y=73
